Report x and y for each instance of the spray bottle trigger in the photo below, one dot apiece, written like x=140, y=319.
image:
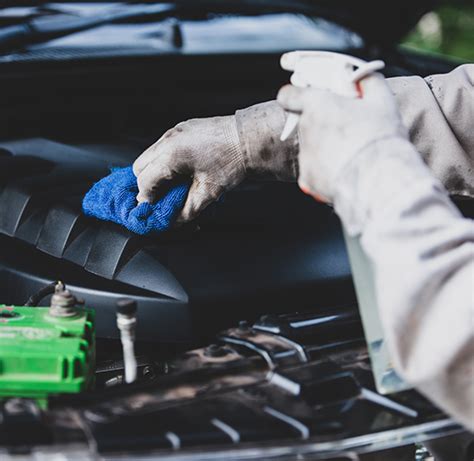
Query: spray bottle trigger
x=290, y=126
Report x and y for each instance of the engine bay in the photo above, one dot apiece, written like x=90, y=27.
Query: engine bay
x=286, y=384
x=249, y=343
x=180, y=277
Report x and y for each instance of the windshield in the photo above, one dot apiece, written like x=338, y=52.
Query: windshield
x=110, y=28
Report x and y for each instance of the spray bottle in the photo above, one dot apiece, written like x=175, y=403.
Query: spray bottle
x=342, y=74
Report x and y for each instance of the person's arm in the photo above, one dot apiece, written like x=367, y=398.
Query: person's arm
x=357, y=155
x=439, y=114
x=422, y=252
x=217, y=153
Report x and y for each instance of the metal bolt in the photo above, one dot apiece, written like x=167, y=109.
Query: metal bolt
x=63, y=302
x=244, y=325
x=214, y=350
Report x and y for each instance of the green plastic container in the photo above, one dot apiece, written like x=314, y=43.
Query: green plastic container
x=41, y=355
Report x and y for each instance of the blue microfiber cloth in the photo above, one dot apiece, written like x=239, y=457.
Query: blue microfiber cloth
x=113, y=198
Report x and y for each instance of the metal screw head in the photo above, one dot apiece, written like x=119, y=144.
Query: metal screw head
x=244, y=325
x=148, y=372
x=214, y=350
x=63, y=302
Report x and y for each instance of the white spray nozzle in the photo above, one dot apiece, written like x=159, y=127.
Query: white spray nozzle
x=334, y=72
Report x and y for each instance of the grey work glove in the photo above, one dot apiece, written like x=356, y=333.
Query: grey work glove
x=333, y=129
x=218, y=153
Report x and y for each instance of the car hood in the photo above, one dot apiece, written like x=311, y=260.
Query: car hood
x=380, y=23
x=383, y=23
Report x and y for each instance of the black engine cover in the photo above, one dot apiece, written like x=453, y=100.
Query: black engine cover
x=264, y=248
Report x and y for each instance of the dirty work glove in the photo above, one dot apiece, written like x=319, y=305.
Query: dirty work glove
x=218, y=153
x=334, y=129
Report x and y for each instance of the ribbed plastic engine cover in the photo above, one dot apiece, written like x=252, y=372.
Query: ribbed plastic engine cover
x=264, y=248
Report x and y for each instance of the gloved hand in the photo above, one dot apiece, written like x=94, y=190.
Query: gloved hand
x=334, y=129
x=218, y=153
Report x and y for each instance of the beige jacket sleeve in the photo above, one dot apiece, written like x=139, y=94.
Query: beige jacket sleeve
x=421, y=248
x=422, y=254
x=439, y=113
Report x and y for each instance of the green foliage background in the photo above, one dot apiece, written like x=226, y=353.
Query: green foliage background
x=457, y=33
